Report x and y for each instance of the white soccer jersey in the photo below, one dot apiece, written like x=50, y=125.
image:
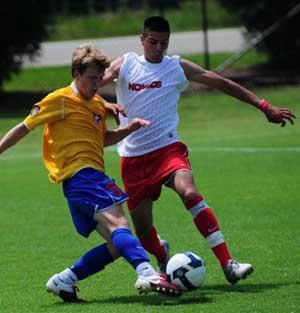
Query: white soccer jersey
x=150, y=91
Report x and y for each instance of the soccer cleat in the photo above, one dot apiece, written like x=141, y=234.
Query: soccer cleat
x=68, y=293
x=162, y=266
x=234, y=271
x=157, y=283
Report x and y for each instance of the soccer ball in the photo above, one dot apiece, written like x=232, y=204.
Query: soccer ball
x=186, y=270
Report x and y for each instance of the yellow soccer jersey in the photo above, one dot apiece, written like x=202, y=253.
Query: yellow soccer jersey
x=74, y=130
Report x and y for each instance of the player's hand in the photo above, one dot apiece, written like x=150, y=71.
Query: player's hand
x=279, y=115
x=138, y=123
x=115, y=109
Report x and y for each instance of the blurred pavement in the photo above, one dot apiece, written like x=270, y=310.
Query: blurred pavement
x=220, y=40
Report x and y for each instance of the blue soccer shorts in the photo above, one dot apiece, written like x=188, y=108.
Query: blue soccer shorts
x=87, y=192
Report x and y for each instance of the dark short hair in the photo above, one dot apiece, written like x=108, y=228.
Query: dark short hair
x=157, y=24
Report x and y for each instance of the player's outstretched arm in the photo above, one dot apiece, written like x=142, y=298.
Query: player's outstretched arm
x=197, y=74
x=115, y=135
x=13, y=136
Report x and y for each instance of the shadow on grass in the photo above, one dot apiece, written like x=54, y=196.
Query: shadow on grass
x=205, y=295
x=157, y=300
x=151, y=299
x=247, y=288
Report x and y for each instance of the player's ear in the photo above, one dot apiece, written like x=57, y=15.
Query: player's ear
x=76, y=74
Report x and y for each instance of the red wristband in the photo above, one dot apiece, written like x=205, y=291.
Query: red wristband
x=263, y=104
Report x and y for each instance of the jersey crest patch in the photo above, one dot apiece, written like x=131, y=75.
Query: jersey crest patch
x=98, y=118
x=35, y=110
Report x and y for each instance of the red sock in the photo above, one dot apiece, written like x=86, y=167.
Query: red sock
x=207, y=225
x=152, y=244
x=222, y=253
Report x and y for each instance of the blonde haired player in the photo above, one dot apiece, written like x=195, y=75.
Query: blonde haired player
x=149, y=86
x=74, y=136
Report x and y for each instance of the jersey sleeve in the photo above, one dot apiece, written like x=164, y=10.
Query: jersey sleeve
x=184, y=81
x=127, y=57
x=48, y=110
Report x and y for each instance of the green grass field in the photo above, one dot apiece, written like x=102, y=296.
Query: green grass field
x=49, y=78
x=249, y=171
x=128, y=22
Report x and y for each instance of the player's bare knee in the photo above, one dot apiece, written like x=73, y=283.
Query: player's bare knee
x=122, y=222
x=190, y=194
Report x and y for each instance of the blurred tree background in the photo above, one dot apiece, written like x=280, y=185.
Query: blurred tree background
x=282, y=45
x=25, y=24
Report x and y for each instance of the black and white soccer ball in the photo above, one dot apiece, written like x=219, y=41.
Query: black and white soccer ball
x=186, y=270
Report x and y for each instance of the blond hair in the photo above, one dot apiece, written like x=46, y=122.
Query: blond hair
x=87, y=55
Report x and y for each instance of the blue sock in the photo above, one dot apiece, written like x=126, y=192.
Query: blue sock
x=129, y=247
x=92, y=262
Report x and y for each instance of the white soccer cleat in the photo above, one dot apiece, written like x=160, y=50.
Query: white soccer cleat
x=162, y=266
x=68, y=293
x=234, y=271
x=157, y=283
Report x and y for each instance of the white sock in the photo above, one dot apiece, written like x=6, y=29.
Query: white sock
x=68, y=277
x=145, y=269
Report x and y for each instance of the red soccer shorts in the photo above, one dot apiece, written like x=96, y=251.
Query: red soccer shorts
x=143, y=176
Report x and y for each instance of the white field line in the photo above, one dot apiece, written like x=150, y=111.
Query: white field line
x=246, y=149
x=19, y=156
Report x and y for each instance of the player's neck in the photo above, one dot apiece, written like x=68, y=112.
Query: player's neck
x=152, y=61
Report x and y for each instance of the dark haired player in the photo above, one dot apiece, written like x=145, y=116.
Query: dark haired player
x=149, y=86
